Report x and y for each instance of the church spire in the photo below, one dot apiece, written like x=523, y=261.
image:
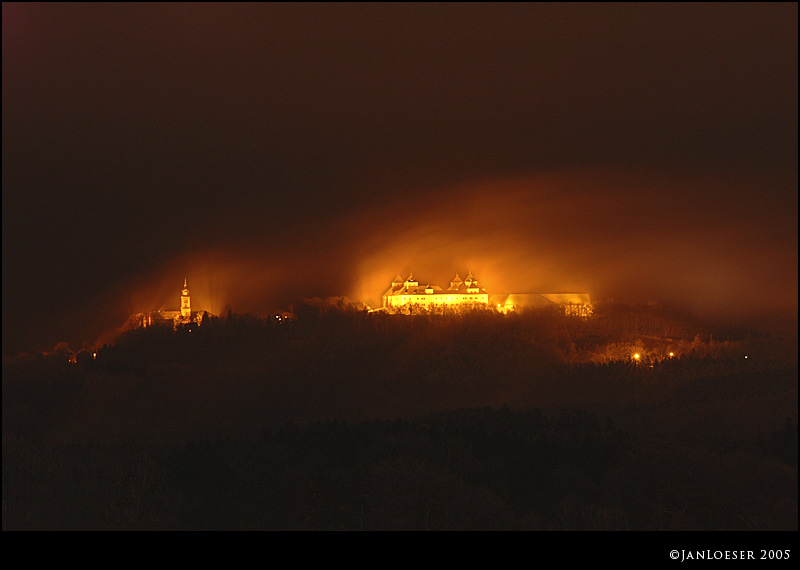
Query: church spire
x=186, y=301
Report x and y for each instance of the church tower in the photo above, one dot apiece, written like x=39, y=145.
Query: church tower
x=186, y=304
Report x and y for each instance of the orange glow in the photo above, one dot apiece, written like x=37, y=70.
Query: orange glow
x=509, y=252
x=516, y=234
x=636, y=356
x=510, y=232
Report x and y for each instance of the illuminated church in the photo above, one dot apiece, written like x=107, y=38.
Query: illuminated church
x=183, y=316
x=408, y=295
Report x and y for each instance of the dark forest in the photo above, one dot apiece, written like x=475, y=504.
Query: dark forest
x=344, y=420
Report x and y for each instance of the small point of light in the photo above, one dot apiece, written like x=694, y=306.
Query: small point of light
x=745, y=356
x=636, y=356
x=671, y=354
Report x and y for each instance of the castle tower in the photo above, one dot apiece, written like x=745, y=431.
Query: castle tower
x=186, y=304
x=455, y=283
x=471, y=283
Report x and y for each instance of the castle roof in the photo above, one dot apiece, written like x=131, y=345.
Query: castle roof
x=456, y=287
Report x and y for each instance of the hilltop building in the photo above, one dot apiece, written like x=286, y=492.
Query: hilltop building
x=573, y=304
x=461, y=294
x=182, y=316
x=186, y=301
x=408, y=295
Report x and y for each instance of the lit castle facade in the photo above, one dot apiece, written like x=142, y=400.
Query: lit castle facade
x=460, y=294
x=409, y=295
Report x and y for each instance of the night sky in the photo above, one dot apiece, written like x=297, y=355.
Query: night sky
x=272, y=152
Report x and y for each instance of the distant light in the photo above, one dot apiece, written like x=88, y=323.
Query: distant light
x=745, y=356
x=671, y=354
x=636, y=356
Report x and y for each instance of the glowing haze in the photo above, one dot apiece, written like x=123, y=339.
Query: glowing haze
x=273, y=151
x=628, y=237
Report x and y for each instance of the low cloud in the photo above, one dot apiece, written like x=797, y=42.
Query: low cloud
x=627, y=236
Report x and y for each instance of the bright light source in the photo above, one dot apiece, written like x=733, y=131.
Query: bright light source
x=636, y=356
x=671, y=354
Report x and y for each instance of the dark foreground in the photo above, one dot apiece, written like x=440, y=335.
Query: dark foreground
x=348, y=422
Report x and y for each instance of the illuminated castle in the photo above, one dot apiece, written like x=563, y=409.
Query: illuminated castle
x=460, y=294
x=408, y=295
